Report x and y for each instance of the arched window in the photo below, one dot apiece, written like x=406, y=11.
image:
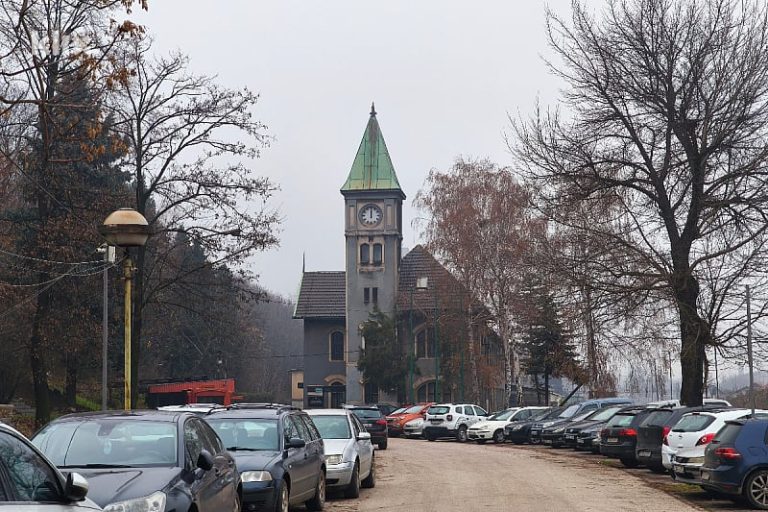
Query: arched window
x=378, y=254
x=426, y=392
x=365, y=254
x=337, y=346
x=425, y=343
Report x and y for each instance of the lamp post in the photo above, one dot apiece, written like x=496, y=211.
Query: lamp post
x=126, y=228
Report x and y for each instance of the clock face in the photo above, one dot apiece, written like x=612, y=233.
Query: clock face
x=370, y=215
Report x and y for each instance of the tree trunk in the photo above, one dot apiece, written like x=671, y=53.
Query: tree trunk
x=37, y=351
x=137, y=317
x=472, y=350
x=695, y=336
x=70, y=387
x=592, y=364
x=546, y=388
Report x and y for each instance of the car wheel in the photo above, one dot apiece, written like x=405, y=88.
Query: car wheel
x=282, y=497
x=383, y=445
x=369, y=482
x=353, y=489
x=756, y=490
x=629, y=463
x=461, y=434
x=318, y=501
x=498, y=436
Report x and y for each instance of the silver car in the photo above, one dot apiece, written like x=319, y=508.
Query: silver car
x=348, y=450
x=30, y=483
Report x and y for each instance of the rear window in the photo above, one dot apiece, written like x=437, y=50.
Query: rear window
x=368, y=414
x=438, y=410
x=657, y=418
x=621, y=420
x=728, y=433
x=603, y=414
x=693, y=423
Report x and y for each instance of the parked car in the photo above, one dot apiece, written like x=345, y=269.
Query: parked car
x=29, y=482
x=492, y=428
x=619, y=437
x=736, y=463
x=374, y=422
x=653, y=430
x=572, y=411
x=591, y=423
x=697, y=428
x=279, y=453
x=708, y=402
x=396, y=422
x=145, y=460
x=686, y=464
x=414, y=428
x=451, y=420
x=520, y=432
x=348, y=450
x=554, y=435
x=387, y=409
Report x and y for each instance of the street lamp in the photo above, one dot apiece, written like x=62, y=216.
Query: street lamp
x=126, y=228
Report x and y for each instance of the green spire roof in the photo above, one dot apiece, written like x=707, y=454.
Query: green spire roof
x=372, y=168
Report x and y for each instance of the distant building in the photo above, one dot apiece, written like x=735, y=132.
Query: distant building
x=440, y=328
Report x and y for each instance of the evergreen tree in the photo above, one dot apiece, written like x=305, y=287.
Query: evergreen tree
x=382, y=361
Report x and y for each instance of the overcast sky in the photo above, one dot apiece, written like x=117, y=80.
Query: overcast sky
x=444, y=76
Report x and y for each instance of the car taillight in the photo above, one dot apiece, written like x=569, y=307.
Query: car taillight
x=664, y=435
x=449, y=417
x=381, y=422
x=727, y=453
x=706, y=438
x=627, y=432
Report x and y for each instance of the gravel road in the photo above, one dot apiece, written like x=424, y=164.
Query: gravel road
x=448, y=476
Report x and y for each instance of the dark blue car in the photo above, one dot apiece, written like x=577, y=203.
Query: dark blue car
x=736, y=461
x=279, y=452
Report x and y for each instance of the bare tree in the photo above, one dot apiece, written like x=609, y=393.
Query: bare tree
x=481, y=226
x=667, y=113
x=181, y=130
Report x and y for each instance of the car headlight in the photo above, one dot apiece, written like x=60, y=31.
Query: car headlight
x=153, y=503
x=333, y=459
x=558, y=430
x=255, y=476
x=415, y=423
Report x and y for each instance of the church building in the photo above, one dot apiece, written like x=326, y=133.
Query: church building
x=449, y=347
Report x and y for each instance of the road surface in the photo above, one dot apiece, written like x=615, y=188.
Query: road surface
x=448, y=476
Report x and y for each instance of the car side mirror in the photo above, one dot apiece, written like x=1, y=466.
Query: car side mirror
x=296, y=442
x=364, y=436
x=76, y=487
x=205, y=460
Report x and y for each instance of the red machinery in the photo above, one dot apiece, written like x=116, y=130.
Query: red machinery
x=220, y=391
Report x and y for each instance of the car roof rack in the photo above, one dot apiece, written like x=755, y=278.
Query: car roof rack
x=278, y=408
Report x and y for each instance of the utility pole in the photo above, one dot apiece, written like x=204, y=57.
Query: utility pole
x=749, y=355
x=109, y=257
x=671, y=394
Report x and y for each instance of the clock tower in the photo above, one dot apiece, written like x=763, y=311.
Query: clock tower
x=373, y=234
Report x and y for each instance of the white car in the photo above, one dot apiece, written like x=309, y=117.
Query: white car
x=686, y=464
x=414, y=428
x=348, y=450
x=492, y=428
x=34, y=483
x=451, y=420
x=713, y=402
x=697, y=429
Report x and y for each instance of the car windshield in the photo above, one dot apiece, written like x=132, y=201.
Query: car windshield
x=657, y=418
x=334, y=426
x=693, y=423
x=368, y=414
x=438, y=409
x=397, y=411
x=583, y=416
x=569, y=411
x=247, y=434
x=542, y=415
x=414, y=409
x=604, y=414
x=109, y=442
x=503, y=415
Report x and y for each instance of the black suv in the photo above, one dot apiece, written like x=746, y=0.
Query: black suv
x=374, y=421
x=279, y=452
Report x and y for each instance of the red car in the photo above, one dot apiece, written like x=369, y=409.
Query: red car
x=395, y=422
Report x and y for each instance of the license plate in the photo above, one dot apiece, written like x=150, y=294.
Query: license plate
x=547, y=441
x=435, y=421
x=535, y=432
x=705, y=475
x=680, y=470
x=644, y=453
x=570, y=436
x=612, y=440
x=579, y=441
